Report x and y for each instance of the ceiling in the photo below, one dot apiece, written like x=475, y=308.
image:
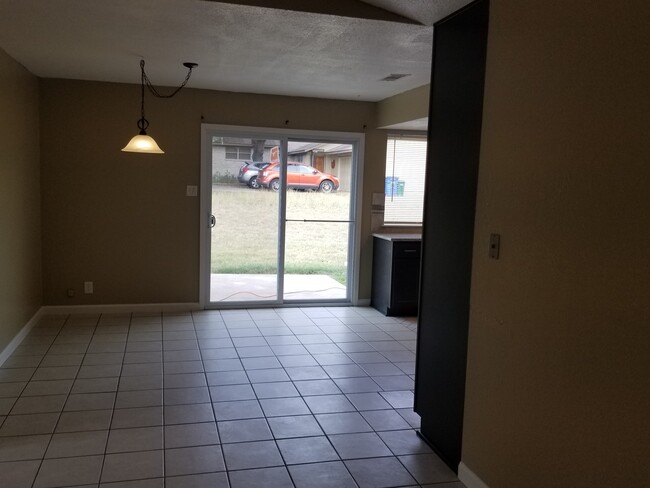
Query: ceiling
x=337, y=49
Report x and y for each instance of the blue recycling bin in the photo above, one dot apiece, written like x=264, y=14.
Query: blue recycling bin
x=390, y=186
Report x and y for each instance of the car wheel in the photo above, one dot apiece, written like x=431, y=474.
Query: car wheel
x=253, y=182
x=326, y=186
x=275, y=185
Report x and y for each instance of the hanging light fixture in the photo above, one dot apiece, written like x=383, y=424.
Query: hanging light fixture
x=143, y=143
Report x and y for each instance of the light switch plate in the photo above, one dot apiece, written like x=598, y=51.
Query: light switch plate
x=191, y=190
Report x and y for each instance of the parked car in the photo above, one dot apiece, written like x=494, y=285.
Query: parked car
x=249, y=173
x=299, y=177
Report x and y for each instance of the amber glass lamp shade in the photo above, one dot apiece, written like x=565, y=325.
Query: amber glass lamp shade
x=142, y=143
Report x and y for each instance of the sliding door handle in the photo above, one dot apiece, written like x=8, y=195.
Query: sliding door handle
x=213, y=221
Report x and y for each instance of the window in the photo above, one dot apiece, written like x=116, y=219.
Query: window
x=239, y=152
x=404, y=184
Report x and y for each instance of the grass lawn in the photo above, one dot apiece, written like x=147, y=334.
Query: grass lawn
x=245, y=238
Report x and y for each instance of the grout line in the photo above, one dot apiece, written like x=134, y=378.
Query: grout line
x=294, y=332
x=39, y=363
x=162, y=369
x=273, y=438
x=214, y=416
x=117, y=389
x=56, y=424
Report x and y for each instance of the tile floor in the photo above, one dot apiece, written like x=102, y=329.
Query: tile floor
x=304, y=397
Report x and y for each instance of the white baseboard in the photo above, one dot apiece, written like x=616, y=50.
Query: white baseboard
x=469, y=478
x=135, y=307
x=15, y=342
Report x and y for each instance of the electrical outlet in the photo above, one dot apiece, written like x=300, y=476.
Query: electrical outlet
x=88, y=287
x=191, y=190
x=70, y=292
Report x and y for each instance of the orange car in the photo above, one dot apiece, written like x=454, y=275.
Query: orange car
x=299, y=176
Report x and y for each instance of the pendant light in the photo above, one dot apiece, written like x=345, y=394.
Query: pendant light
x=143, y=143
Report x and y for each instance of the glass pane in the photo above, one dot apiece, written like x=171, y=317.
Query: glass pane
x=317, y=227
x=244, y=241
x=404, y=184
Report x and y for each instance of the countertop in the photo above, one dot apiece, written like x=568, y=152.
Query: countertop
x=399, y=237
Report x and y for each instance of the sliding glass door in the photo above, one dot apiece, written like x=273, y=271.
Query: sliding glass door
x=318, y=220
x=244, y=222
x=279, y=217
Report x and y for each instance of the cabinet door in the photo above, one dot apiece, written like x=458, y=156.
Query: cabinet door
x=382, y=268
x=406, y=278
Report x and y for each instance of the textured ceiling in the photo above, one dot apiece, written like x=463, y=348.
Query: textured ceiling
x=336, y=49
x=426, y=12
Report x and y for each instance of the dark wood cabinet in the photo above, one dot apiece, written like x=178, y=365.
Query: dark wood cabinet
x=396, y=274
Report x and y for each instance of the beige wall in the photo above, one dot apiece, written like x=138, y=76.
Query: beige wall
x=123, y=220
x=404, y=107
x=20, y=204
x=558, y=381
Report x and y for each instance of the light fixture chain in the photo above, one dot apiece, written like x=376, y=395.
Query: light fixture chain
x=142, y=89
x=143, y=143
x=156, y=93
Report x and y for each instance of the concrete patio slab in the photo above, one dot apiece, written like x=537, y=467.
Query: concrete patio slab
x=263, y=287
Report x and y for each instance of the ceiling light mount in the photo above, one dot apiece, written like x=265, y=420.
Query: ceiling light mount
x=142, y=143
